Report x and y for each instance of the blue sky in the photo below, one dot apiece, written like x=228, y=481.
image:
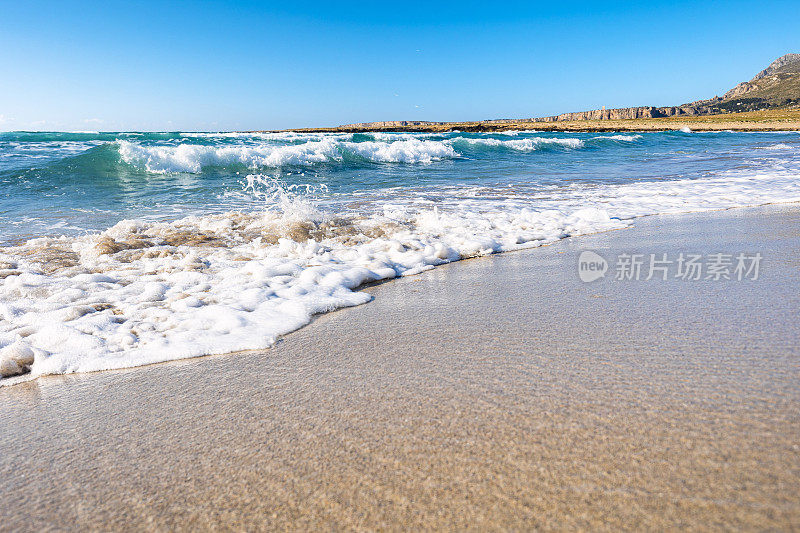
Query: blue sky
x=207, y=65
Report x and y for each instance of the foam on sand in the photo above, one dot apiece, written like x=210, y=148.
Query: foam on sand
x=143, y=292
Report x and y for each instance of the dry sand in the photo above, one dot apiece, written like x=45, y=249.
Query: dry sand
x=500, y=392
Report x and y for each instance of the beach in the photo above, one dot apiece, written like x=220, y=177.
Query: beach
x=157, y=246
x=501, y=392
x=786, y=119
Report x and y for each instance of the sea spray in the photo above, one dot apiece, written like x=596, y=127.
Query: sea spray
x=128, y=249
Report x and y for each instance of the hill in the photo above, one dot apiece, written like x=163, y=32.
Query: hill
x=769, y=101
x=776, y=86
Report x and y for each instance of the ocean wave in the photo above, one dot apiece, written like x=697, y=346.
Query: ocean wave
x=79, y=136
x=193, y=152
x=194, y=157
x=394, y=136
x=402, y=151
x=276, y=136
x=625, y=138
x=523, y=145
x=143, y=292
x=779, y=146
x=514, y=133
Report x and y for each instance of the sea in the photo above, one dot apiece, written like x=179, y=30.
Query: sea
x=130, y=248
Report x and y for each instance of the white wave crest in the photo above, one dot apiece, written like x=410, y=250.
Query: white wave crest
x=277, y=135
x=779, y=146
x=398, y=136
x=402, y=151
x=194, y=157
x=514, y=133
x=524, y=145
x=627, y=138
x=142, y=292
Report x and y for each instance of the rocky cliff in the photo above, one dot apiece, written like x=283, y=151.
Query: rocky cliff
x=776, y=86
x=628, y=113
x=388, y=124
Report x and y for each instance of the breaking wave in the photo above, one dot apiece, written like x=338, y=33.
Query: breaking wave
x=144, y=292
x=308, y=150
x=524, y=145
x=779, y=146
x=168, y=153
x=194, y=157
x=625, y=138
x=286, y=225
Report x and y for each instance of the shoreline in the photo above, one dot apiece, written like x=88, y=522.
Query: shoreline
x=772, y=120
x=544, y=127
x=501, y=390
x=296, y=247
x=12, y=381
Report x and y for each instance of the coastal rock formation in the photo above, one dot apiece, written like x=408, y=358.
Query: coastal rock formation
x=786, y=63
x=777, y=87
x=388, y=124
x=782, y=69
x=627, y=113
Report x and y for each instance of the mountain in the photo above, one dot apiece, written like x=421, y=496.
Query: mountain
x=778, y=85
x=776, y=89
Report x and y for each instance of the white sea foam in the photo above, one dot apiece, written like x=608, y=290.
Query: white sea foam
x=779, y=146
x=141, y=292
x=627, y=138
x=514, y=133
x=394, y=136
x=277, y=136
x=402, y=151
x=194, y=157
x=524, y=145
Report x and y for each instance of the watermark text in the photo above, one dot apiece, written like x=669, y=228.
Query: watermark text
x=739, y=266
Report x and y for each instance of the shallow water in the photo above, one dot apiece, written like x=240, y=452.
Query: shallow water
x=71, y=183
x=123, y=249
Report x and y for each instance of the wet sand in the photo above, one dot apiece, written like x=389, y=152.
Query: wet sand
x=499, y=392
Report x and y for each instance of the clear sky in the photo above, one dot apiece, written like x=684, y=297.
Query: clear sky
x=207, y=65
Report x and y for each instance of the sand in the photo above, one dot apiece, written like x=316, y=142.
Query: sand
x=496, y=393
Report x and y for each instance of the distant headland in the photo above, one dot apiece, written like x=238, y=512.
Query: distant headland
x=770, y=101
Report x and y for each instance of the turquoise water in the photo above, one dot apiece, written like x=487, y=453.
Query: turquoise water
x=73, y=183
x=124, y=249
